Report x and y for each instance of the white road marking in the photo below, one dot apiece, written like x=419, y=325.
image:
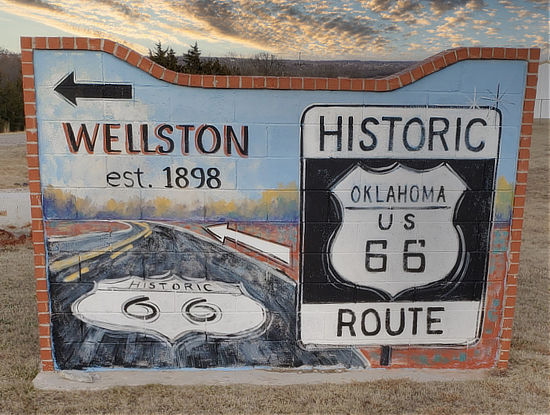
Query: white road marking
x=269, y=248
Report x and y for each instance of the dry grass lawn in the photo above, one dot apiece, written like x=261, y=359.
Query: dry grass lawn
x=524, y=388
x=13, y=163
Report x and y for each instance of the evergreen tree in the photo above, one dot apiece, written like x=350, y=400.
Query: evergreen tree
x=11, y=104
x=215, y=67
x=165, y=57
x=192, y=60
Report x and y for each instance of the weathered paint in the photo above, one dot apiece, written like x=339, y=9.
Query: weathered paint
x=218, y=221
x=15, y=217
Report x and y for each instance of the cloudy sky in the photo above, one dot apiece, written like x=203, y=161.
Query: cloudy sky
x=325, y=29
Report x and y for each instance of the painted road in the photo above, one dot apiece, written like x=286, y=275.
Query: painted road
x=76, y=250
x=149, y=251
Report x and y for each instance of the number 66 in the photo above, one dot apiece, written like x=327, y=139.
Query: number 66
x=407, y=256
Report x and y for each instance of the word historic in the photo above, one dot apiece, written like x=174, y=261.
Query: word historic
x=400, y=131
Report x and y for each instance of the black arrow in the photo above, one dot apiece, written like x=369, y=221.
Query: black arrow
x=71, y=91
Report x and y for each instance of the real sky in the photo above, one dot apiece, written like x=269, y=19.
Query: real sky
x=314, y=29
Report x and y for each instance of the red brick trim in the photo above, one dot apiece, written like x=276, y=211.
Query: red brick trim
x=407, y=76
x=27, y=46
x=519, y=202
x=389, y=83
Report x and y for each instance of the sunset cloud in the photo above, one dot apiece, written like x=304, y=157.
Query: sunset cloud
x=317, y=29
x=442, y=6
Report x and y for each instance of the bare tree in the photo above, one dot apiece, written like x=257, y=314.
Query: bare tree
x=267, y=64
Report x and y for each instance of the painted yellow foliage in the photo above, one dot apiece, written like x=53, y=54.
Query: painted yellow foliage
x=274, y=204
x=279, y=203
x=504, y=199
x=59, y=195
x=84, y=205
x=162, y=205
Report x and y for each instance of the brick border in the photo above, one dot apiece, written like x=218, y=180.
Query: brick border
x=37, y=232
x=532, y=56
x=430, y=65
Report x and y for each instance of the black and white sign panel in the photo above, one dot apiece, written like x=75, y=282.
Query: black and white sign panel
x=396, y=212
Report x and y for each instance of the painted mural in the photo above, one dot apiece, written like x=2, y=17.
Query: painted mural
x=233, y=228
x=402, y=241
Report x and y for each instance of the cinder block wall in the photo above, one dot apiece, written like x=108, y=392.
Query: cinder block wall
x=198, y=221
x=15, y=216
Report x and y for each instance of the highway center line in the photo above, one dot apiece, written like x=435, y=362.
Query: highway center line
x=68, y=262
x=126, y=248
x=75, y=275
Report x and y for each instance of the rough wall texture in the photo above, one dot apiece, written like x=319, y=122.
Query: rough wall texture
x=542, y=103
x=15, y=217
x=222, y=221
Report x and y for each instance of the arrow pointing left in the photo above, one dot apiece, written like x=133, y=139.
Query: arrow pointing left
x=70, y=90
x=273, y=249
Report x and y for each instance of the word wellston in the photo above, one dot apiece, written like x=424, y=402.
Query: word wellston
x=156, y=139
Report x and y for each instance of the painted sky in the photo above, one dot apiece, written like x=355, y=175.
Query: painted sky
x=322, y=29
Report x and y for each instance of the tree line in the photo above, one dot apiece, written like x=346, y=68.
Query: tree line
x=12, y=117
x=262, y=64
x=267, y=64
x=192, y=62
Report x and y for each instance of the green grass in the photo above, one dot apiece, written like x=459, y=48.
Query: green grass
x=523, y=388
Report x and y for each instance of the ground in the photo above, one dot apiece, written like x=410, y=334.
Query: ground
x=13, y=167
x=523, y=388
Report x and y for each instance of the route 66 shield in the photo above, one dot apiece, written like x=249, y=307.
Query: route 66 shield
x=397, y=228
x=169, y=307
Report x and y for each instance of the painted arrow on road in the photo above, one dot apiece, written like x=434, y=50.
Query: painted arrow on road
x=222, y=232
x=70, y=90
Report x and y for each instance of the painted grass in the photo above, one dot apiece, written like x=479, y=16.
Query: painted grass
x=524, y=388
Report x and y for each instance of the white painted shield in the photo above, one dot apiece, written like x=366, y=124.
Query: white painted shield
x=397, y=227
x=169, y=307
